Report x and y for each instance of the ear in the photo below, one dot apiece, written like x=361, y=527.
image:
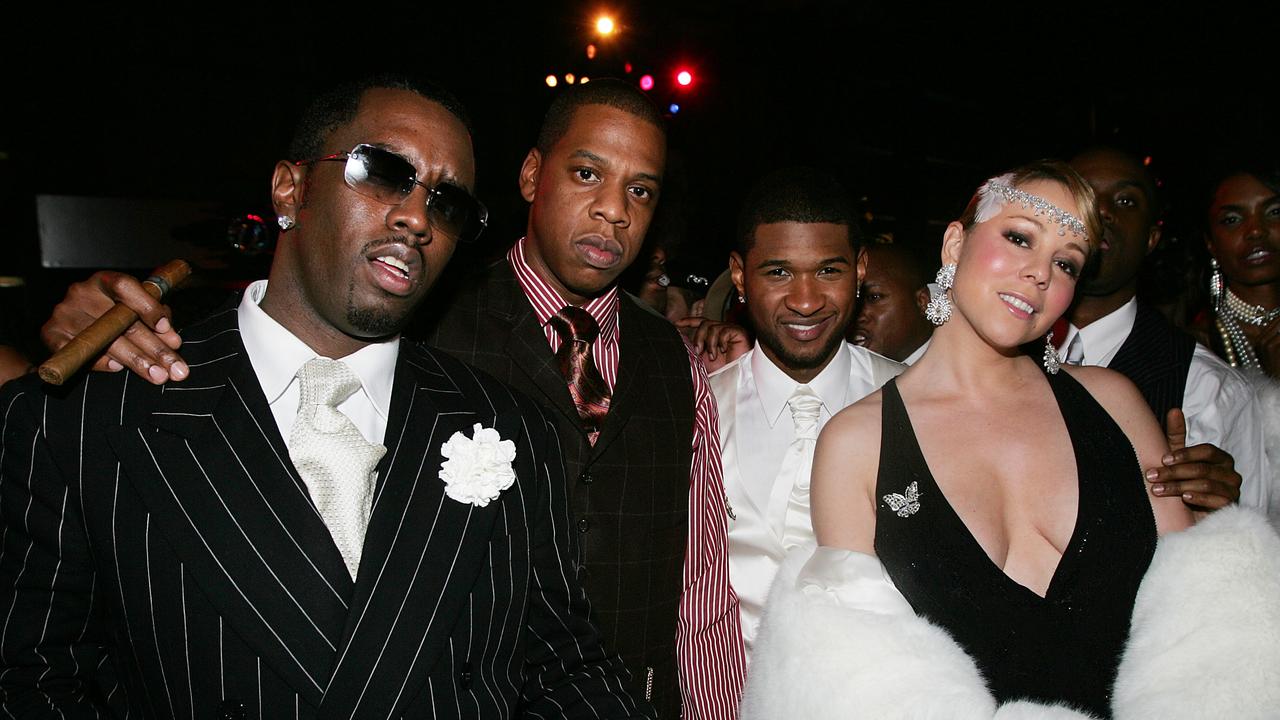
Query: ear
x=737, y=272
x=287, y=185
x=922, y=298
x=529, y=173
x=860, y=266
x=952, y=243
x=1153, y=238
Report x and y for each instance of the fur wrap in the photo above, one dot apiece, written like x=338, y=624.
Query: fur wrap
x=838, y=641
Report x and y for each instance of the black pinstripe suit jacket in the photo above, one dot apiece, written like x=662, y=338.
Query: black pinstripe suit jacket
x=162, y=558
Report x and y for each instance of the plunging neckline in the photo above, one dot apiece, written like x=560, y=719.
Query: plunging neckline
x=1070, y=551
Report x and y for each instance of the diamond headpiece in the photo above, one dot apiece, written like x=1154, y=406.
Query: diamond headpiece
x=996, y=192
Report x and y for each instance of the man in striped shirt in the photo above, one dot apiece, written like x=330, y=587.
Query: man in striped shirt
x=646, y=489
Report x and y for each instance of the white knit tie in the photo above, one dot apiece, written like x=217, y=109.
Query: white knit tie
x=789, y=498
x=332, y=456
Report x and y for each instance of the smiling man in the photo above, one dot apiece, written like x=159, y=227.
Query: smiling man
x=636, y=417
x=279, y=535
x=797, y=266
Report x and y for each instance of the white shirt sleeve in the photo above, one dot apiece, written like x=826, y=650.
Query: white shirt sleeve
x=1222, y=408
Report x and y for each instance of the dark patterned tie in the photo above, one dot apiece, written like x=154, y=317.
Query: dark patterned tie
x=577, y=330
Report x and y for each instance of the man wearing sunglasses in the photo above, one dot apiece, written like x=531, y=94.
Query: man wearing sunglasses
x=635, y=414
x=323, y=520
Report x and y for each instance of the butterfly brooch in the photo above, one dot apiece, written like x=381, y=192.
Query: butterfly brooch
x=904, y=505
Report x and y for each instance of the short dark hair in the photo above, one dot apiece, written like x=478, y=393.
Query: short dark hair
x=797, y=194
x=918, y=269
x=339, y=104
x=601, y=91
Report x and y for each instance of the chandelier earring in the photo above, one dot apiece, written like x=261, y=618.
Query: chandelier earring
x=938, y=311
x=1215, y=284
x=1051, y=355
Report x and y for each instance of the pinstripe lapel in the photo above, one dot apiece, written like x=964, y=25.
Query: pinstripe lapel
x=423, y=550
x=216, y=477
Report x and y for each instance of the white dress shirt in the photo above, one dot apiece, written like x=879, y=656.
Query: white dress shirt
x=755, y=431
x=1220, y=405
x=276, y=355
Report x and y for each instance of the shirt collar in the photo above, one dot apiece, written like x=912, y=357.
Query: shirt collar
x=1104, y=336
x=774, y=387
x=547, y=301
x=276, y=354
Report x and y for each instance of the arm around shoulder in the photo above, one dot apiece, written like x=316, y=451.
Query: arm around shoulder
x=1122, y=401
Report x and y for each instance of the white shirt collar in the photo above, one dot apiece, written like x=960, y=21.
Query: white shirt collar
x=276, y=354
x=1103, y=337
x=774, y=387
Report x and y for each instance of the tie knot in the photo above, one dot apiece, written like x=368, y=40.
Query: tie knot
x=322, y=381
x=804, y=406
x=574, y=324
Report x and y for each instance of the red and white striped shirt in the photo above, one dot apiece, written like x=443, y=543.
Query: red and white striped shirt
x=708, y=636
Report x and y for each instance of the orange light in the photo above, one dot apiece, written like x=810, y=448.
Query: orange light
x=591, y=52
x=1146, y=160
x=552, y=81
x=584, y=80
x=568, y=78
x=605, y=26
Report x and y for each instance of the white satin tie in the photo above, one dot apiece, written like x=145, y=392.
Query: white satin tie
x=1075, y=350
x=789, y=497
x=331, y=455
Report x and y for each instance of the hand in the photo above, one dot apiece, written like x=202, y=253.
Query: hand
x=716, y=343
x=147, y=347
x=1204, y=475
x=1268, y=348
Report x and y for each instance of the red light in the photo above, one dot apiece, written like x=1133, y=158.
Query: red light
x=627, y=68
x=255, y=218
x=646, y=82
x=684, y=78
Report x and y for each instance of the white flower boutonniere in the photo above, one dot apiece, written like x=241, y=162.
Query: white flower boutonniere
x=478, y=468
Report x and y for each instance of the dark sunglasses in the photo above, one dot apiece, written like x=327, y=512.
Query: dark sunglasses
x=388, y=178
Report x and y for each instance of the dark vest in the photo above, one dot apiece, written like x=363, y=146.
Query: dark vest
x=1157, y=358
x=629, y=494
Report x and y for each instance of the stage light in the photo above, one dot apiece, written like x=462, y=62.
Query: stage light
x=591, y=52
x=674, y=108
x=646, y=82
x=552, y=81
x=684, y=78
x=605, y=25
x=568, y=78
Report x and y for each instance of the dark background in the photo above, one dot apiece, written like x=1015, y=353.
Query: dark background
x=911, y=105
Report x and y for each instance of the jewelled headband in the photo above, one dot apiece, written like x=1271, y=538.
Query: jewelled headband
x=993, y=195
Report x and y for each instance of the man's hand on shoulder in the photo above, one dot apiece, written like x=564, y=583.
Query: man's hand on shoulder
x=147, y=347
x=716, y=343
x=1204, y=475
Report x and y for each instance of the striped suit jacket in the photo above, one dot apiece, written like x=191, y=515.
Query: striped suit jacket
x=161, y=558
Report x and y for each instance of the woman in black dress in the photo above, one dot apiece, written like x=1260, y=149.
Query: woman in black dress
x=1003, y=496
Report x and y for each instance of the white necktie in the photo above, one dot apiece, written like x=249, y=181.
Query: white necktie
x=789, y=498
x=332, y=456
x=1075, y=350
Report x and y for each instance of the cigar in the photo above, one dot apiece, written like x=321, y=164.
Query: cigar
x=89, y=344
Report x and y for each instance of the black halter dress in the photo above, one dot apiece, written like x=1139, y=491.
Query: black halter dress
x=1064, y=647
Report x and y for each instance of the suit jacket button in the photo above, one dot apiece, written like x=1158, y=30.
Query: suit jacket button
x=585, y=478
x=583, y=525
x=232, y=710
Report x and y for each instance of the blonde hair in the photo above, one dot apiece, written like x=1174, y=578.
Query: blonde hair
x=1054, y=171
